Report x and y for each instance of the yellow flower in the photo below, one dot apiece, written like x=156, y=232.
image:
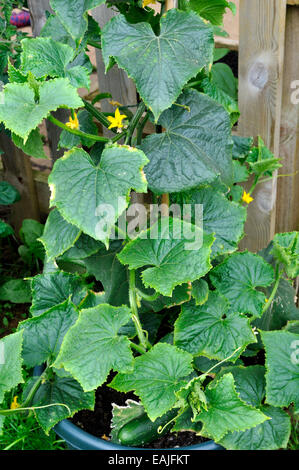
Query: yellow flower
x=15, y=403
x=73, y=123
x=247, y=198
x=145, y=3
x=117, y=120
x=266, y=300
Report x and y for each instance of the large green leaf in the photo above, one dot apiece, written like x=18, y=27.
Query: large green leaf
x=286, y=251
x=200, y=291
x=249, y=381
x=43, y=335
x=73, y=15
x=54, y=288
x=212, y=11
x=54, y=29
x=211, y=89
x=223, y=218
x=237, y=278
x=282, y=308
x=157, y=375
x=65, y=394
x=44, y=57
x=184, y=422
x=107, y=269
x=8, y=194
x=92, y=197
x=21, y=114
x=180, y=295
x=93, y=347
x=292, y=326
x=271, y=434
x=226, y=412
x=58, y=235
x=165, y=246
x=33, y=146
x=10, y=363
x=222, y=76
x=83, y=248
x=195, y=147
x=159, y=65
x=241, y=147
x=203, y=364
x=282, y=363
x=212, y=330
x=16, y=291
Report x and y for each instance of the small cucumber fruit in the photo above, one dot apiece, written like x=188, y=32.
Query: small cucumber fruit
x=142, y=430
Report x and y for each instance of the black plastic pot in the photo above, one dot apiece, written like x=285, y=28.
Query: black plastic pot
x=77, y=439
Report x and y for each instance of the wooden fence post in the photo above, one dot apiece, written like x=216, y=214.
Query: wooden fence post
x=261, y=58
x=38, y=10
x=287, y=215
x=116, y=80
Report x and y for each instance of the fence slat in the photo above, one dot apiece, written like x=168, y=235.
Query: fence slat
x=116, y=80
x=261, y=56
x=287, y=215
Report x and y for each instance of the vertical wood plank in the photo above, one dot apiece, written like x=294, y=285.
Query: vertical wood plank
x=38, y=10
x=116, y=80
x=287, y=214
x=18, y=172
x=261, y=56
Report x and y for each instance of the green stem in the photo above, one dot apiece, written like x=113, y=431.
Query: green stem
x=97, y=114
x=149, y=298
x=30, y=396
x=256, y=180
x=121, y=232
x=134, y=122
x=138, y=348
x=275, y=287
x=77, y=132
x=140, y=128
x=95, y=44
x=135, y=317
x=34, y=389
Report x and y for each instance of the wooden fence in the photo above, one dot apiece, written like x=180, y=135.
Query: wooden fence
x=268, y=47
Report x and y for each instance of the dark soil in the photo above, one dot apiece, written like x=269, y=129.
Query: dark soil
x=10, y=316
x=98, y=422
x=232, y=59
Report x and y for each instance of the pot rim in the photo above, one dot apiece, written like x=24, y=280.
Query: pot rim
x=75, y=436
x=79, y=439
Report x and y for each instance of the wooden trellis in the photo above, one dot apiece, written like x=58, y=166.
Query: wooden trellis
x=268, y=47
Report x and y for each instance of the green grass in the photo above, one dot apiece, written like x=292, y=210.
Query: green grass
x=294, y=439
x=22, y=432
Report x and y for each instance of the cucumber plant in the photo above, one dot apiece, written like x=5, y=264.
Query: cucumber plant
x=205, y=335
